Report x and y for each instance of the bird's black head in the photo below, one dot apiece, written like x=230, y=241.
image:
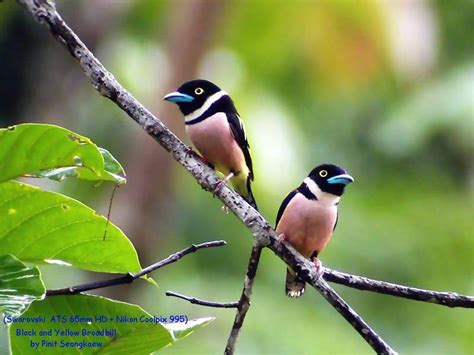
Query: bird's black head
x=192, y=95
x=330, y=178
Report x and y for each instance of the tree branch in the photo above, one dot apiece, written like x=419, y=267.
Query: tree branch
x=374, y=340
x=104, y=82
x=244, y=301
x=129, y=278
x=307, y=271
x=200, y=302
x=449, y=299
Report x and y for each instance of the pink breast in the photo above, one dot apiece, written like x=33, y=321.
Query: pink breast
x=214, y=140
x=307, y=224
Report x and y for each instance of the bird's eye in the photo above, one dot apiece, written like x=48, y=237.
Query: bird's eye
x=323, y=173
x=198, y=91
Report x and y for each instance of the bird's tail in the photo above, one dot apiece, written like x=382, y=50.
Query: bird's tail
x=294, y=285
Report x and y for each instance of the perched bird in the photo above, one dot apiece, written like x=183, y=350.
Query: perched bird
x=216, y=130
x=308, y=216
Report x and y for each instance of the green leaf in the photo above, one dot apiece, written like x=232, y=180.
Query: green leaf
x=136, y=336
x=19, y=285
x=181, y=330
x=42, y=226
x=42, y=150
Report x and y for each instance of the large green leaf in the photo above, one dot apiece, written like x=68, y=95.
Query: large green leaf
x=137, y=335
x=42, y=150
x=19, y=285
x=38, y=226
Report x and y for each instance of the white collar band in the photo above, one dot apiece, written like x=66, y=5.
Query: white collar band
x=324, y=197
x=207, y=104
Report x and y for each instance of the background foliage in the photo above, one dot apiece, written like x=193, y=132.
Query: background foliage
x=384, y=89
x=41, y=227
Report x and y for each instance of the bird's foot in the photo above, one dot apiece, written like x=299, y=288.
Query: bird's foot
x=217, y=187
x=220, y=184
x=319, y=266
x=225, y=209
x=281, y=238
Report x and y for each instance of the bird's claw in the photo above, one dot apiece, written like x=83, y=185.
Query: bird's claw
x=319, y=267
x=281, y=238
x=218, y=186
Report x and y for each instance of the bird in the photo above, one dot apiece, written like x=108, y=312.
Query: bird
x=216, y=130
x=308, y=217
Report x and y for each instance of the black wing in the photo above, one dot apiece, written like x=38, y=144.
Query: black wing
x=238, y=131
x=283, y=205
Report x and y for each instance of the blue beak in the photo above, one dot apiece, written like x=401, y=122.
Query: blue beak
x=340, y=179
x=178, y=97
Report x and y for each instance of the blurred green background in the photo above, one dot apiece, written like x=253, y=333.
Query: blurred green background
x=383, y=88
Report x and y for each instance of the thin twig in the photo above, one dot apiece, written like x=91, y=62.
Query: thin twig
x=244, y=301
x=129, y=278
x=109, y=211
x=200, y=302
x=449, y=299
